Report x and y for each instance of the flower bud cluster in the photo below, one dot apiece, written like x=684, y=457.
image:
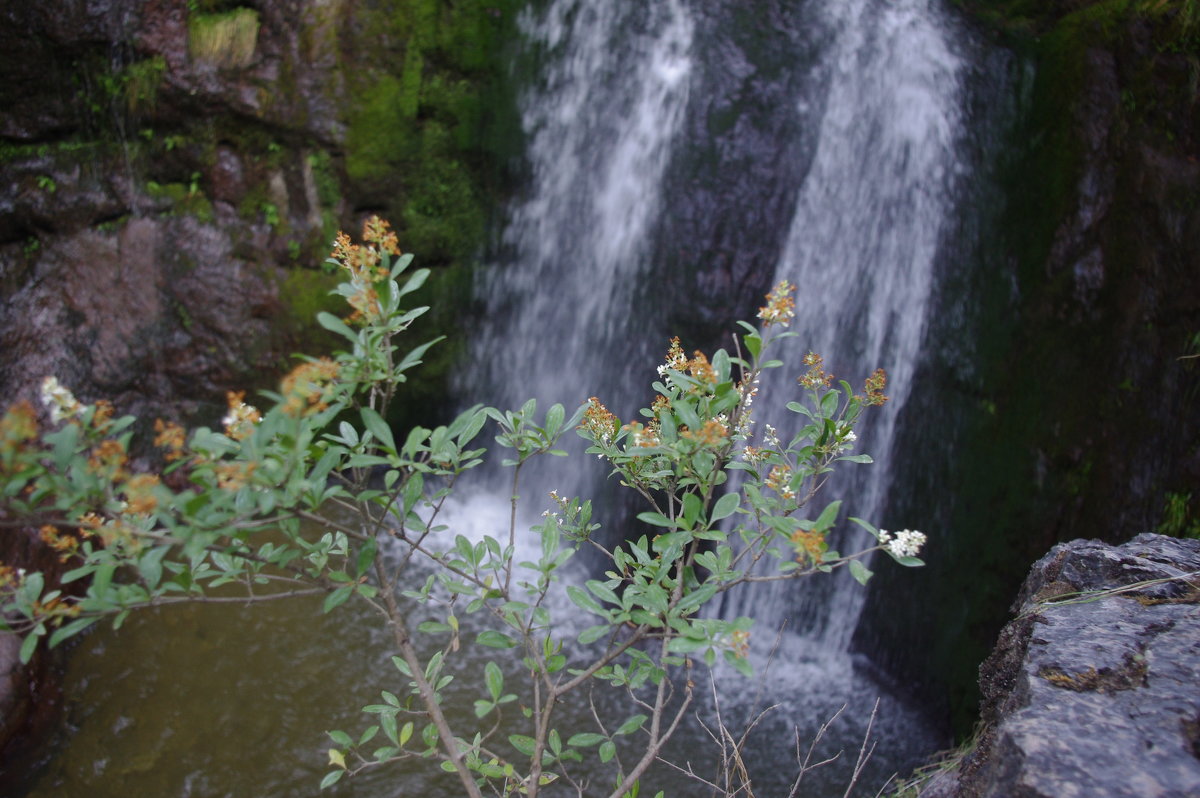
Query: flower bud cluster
x=905, y=543
x=59, y=400
x=780, y=307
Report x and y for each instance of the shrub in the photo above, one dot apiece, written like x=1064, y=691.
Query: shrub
x=318, y=495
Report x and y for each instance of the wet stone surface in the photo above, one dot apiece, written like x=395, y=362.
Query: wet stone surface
x=1091, y=691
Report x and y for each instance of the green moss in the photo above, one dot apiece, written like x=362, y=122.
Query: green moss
x=305, y=293
x=186, y=198
x=223, y=40
x=142, y=81
x=442, y=214
x=409, y=99
x=378, y=138
x=424, y=136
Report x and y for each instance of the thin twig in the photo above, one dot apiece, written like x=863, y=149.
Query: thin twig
x=863, y=753
x=804, y=766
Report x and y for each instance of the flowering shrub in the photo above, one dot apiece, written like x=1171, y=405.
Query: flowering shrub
x=317, y=495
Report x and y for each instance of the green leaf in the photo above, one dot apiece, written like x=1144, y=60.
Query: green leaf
x=740, y=664
x=341, y=738
x=494, y=680
x=656, y=519
x=334, y=324
x=753, y=344
x=631, y=725
x=64, y=442
x=331, y=778
x=607, y=751
x=522, y=743
x=150, y=566
x=414, y=282
x=27, y=648
x=494, y=639
x=867, y=525
x=726, y=506
x=585, y=602
x=337, y=598
x=379, y=428
x=691, y=509
x=101, y=581
x=71, y=629
x=860, y=572
x=592, y=634
x=828, y=516
x=687, y=414
x=388, y=721
x=602, y=591
x=586, y=739
x=554, y=420
x=685, y=645
x=380, y=754
x=366, y=557
x=432, y=628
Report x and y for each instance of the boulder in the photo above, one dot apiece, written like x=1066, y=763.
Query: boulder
x=1094, y=688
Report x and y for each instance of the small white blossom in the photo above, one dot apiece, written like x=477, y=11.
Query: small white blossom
x=907, y=543
x=770, y=436
x=60, y=401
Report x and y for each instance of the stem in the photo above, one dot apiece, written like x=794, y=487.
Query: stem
x=403, y=641
x=512, y=526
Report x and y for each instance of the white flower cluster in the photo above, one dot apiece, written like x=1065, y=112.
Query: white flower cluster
x=240, y=420
x=61, y=402
x=905, y=543
x=771, y=436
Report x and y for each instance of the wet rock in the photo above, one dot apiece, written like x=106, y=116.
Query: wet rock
x=1094, y=689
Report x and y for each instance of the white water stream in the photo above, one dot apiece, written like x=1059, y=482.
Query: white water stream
x=862, y=248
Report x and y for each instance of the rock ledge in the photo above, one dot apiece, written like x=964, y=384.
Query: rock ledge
x=1094, y=688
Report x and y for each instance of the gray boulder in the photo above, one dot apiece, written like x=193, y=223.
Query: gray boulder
x=1094, y=688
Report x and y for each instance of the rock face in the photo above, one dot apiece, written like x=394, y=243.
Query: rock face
x=145, y=237
x=1094, y=689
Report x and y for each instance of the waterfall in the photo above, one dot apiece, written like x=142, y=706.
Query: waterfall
x=873, y=102
x=600, y=123
x=680, y=156
x=861, y=249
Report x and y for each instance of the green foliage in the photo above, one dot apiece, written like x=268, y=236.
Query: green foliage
x=318, y=494
x=223, y=40
x=184, y=197
x=142, y=80
x=425, y=127
x=1178, y=519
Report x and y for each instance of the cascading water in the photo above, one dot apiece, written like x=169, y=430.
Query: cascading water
x=861, y=249
x=600, y=127
x=869, y=181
